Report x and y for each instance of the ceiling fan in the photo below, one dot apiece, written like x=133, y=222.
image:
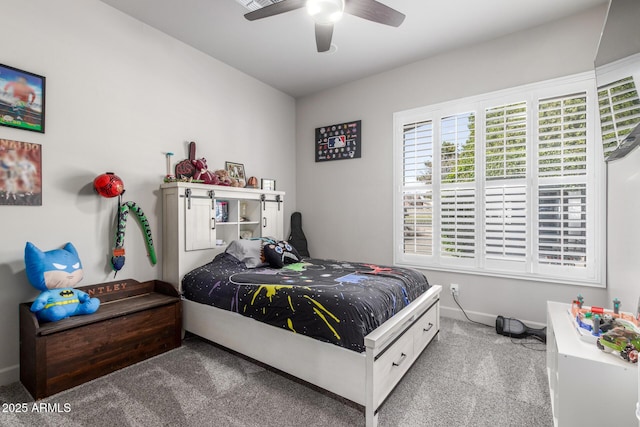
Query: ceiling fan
x=327, y=12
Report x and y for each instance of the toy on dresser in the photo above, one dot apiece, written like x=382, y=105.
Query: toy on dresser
x=203, y=173
x=612, y=330
x=55, y=273
x=225, y=179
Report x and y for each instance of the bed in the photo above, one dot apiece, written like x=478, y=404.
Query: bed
x=353, y=329
x=365, y=374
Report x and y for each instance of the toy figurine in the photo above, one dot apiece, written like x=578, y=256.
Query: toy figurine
x=593, y=322
x=622, y=340
x=55, y=273
x=595, y=330
x=616, y=306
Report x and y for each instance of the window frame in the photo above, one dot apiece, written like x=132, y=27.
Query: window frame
x=607, y=75
x=594, y=275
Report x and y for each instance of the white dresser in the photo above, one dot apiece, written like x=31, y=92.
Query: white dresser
x=588, y=387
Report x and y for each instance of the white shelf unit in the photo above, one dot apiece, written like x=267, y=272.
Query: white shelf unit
x=193, y=236
x=587, y=386
x=242, y=220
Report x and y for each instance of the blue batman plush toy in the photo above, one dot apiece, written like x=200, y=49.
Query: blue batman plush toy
x=55, y=273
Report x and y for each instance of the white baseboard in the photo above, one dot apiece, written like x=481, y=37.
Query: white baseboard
x=486, y=318
x=9, y=375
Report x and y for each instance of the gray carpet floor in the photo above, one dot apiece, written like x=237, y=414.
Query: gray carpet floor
x=469, y=377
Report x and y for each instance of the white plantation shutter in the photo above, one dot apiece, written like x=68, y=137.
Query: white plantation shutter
x=562, y=225
x=417, y=203
x=458, y=223
x=507, y=187
x=505, y=200
x=562, y=136
x=506, y=223
x=562, y=172
x=619, y=112
x=506, y=141
x=417, y=151
x=457, y=148
x=457, y=193
x=418, y=223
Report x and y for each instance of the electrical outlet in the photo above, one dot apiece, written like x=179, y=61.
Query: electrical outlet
x=455, y=290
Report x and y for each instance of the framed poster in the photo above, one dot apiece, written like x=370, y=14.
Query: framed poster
x=20, y=173
x=340, y=141
x=22, y=97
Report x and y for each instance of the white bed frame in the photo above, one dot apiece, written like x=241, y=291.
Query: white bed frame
x=365, y=378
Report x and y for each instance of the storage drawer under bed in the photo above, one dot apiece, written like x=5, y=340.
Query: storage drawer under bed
x=392, y=365
x=396, y=360
x=425, y=329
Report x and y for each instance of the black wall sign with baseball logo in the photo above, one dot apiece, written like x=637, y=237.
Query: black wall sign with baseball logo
x=337, y=142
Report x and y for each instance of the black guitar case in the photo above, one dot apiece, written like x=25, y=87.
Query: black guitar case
x=297, y=238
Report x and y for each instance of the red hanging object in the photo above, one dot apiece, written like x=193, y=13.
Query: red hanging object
x=108, y=185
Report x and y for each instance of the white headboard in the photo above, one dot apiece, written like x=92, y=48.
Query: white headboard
x=200, y=220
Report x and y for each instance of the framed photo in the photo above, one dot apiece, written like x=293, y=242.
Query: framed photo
x=22, y=96
x=339, y=141
x=268, y=184
x=20, y=173
x=236, y=171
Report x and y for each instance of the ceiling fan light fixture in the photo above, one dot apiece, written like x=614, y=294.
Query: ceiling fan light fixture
x=325, y=11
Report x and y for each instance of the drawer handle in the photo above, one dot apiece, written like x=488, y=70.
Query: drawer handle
x=429, y=328
x=403, y=357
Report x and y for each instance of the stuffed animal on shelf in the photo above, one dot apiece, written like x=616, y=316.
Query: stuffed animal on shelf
x=55, y=273
x=203, y=173
x=225, y=179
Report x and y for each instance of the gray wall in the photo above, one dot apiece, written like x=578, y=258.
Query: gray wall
x=347, y=205
x=119, y=95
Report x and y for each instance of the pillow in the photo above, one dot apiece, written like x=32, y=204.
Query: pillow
x=247, y=251
x=280, y=253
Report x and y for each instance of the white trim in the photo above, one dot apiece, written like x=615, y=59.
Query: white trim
x=478, y=316
x=594, y=273
x=532, y=277
x=9, y=375
x=617, y=70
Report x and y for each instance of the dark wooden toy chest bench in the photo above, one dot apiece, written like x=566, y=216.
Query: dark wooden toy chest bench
x=135, y=321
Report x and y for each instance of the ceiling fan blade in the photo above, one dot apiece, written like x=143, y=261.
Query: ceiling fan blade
x=275, y=9
x=372, y=10
x=324, y=33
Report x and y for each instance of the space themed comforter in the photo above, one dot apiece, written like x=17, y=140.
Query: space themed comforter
x=333, y=301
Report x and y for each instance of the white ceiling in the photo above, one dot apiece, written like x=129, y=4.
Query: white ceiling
x=281, y=51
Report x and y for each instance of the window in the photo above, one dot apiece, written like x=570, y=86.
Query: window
x=618, y=103
x=619, y=111
x=417, y=205
x=506, y=184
